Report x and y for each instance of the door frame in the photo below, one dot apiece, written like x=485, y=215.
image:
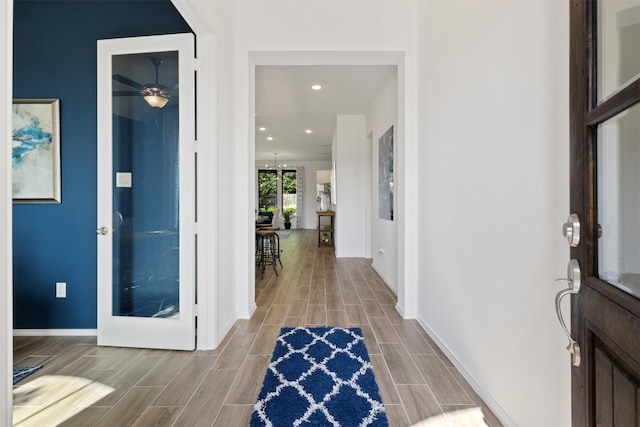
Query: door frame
x=6, y=228
x=407, y=243
x=210, y=326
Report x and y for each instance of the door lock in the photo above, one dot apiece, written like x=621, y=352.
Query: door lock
x=574, y=280
x=102, y=231
x=571, y=230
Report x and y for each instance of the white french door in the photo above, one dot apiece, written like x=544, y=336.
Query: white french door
x=146, y=192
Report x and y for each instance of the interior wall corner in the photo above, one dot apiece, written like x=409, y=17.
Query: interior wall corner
x=6, y=296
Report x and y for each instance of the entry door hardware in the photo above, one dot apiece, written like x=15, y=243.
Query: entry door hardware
x=573, y=278
x=571, y=230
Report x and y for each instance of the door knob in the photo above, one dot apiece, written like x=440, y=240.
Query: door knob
x=574, y=280
x=571, y=230
x=102, y=230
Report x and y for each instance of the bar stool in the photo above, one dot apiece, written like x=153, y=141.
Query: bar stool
x=276, y=246
x=266, y=249
x=276, y=237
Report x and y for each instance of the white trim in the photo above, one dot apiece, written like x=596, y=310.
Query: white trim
x=400, y=310
x=208, y=335
x=384, y=279
x=227, y=328
x=326, y=57
x=6, y=259
x=55, y=332
x=486, y=397
x=407, y=179
x=407, y=151
x=192, y=13
x=249, y=314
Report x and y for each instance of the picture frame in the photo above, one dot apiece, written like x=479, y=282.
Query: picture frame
x=35, y=159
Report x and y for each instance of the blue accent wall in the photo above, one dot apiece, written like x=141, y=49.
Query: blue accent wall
x=55, y=57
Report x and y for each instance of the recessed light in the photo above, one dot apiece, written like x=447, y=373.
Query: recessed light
x=269, y=138
x=308, y=131
x=262, y=129
x=316, y=87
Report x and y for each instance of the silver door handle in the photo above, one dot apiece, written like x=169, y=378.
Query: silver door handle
x=102, y=231
x=573, y=277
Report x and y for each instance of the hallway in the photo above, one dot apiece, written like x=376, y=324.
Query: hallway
x=84, y=385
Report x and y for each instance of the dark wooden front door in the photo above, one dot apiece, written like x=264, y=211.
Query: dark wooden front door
x=605, y=195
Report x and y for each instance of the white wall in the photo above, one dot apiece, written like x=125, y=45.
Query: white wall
x=349, y=154
x=382, y=115
x=485, y=186
x=310, y=168
x=494, y=143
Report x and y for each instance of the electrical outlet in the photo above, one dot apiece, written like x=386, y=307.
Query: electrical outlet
x=61, y=290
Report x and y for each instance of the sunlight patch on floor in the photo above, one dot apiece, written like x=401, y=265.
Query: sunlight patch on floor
x=468, y=417
x=52, y=399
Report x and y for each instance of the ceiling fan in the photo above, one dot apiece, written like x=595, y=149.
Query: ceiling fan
x=156, y=95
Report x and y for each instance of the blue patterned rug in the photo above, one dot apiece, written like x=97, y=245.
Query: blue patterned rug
x=319, y=377
x=22, y=372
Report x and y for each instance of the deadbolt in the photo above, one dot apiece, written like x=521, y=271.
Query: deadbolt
x=571, y=230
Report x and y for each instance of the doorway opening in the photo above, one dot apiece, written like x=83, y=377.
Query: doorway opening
x=286, y=113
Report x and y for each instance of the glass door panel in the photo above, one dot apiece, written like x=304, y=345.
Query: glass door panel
x=146, y=248
x=267, y=190
x=618, y=41
x=618, y=177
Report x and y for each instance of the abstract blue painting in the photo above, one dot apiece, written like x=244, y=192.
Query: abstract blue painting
x=36, y=150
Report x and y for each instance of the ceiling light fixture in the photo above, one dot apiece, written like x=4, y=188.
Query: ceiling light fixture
x=276, y=166
x=156, y=96
x=316, y=87
x=262, y=129
x=269, y=138
x=308, y=131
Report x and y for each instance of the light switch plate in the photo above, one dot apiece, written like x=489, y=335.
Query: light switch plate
x=61, y=290
x=123, y=179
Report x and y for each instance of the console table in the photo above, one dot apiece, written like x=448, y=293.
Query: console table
x=325, y=231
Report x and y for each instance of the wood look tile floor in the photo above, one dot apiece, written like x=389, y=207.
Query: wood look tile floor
x=82, y=384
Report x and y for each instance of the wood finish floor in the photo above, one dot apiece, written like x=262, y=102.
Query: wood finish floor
x=85, y=385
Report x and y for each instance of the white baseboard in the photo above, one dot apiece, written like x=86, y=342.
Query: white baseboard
x=247, y=315
x=486, y=397
x=384, y=279
x=55, y=332
x=224, y=332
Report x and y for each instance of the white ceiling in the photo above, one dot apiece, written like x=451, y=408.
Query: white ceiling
x=286, y=106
